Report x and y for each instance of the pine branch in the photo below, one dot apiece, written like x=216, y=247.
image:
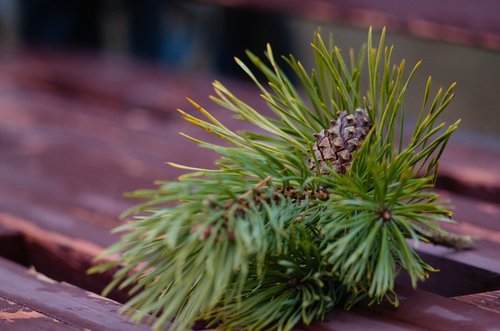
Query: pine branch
x=314, y=213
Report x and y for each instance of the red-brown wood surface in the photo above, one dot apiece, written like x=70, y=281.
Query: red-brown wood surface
x=15, y=316
x=49, y=304
x=487, y=300
x=418, y=310
x=72, y=141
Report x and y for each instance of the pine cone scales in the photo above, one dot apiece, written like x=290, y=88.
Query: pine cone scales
x=335, y=146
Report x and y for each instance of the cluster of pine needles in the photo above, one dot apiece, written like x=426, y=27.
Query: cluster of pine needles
x=266, y=242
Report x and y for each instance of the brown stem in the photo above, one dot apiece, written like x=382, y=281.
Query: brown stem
x=257, y=187
x=257, y=196
x=453, y=240
x=294, y=194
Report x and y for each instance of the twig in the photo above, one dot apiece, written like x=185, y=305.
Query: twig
x=452, y=240
x=256, y=187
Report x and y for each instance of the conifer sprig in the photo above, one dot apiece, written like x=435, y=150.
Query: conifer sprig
x=265, y=242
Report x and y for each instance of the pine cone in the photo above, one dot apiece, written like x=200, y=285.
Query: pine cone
x=335, y=146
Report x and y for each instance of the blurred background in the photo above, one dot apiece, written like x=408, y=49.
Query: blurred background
x=458, y=41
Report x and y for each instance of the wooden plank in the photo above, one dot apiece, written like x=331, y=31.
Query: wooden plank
x=63, y=257
x=477, y=217
x=487, y=300
x=471, y=172
x=455, y=276
x=418, y=311
x=18, y=317
x=62, y=302
x=117, y=82
x=484, y=255
x=481, y=220
x=43, y=140
x=475, y=23
x=470, y=271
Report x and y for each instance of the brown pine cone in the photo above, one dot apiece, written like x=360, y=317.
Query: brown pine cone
x=335, y=146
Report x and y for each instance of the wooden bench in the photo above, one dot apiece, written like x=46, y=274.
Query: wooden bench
x=75, y=134
x=73, y=139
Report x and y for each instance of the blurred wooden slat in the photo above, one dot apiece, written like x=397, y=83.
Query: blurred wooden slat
x=470, y=172
x=469, y=22
x=418, y=310
x=99, y=86
x=114, y=81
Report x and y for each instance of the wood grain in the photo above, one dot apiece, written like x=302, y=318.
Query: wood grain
x=104, y=98
x=418, y=310
x=51, y=301
x=487, y=300
x=18, y=317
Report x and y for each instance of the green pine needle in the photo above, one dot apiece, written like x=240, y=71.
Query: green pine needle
x=262, y=241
